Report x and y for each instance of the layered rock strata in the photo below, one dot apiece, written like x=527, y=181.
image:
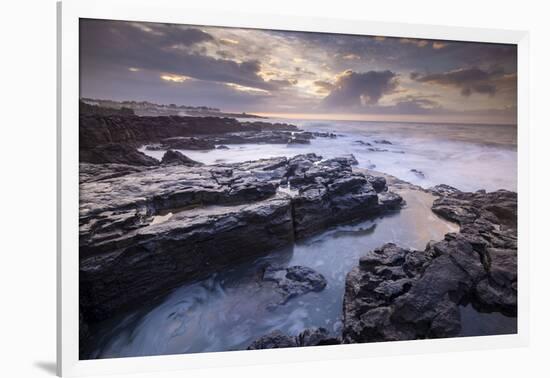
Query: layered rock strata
x=145, y=231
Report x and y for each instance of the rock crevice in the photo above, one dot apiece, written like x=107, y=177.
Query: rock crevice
x=146, y=231
x=401, y=294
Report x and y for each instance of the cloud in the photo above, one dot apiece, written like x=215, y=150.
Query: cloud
x=307, y=72
x=355, y=89
x=174, y=78
x=413, y=41
x=168, y=33
x=228, y=41
x=242, y=88
x=323, y=86
x=106, y=45
x=416, y=105
x=351, y=56
x=468, y=80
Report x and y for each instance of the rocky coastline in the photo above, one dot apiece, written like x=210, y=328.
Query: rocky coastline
x=397, y=293
x=114, y=138
x=147, y=226
x=143, y=232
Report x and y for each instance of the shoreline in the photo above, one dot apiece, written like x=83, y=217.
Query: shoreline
x=121, y=240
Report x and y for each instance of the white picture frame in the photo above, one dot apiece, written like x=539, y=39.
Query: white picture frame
x=69, y=12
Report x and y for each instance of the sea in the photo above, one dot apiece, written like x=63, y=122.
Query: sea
x=230, y=309
x=469, y=157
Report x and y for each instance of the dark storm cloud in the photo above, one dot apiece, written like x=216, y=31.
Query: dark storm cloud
x=467, y=80
x=164, y=49
x=353, y=88
x=416, y=105
x=306, y=73
x=414, y=54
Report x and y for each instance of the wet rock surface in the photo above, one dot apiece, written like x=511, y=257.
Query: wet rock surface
x=418, y=173
x=113, y=138
x=294, y=281
x=116, y=154
x=209, y=142
x=171, y=157
x=145, y=231
x=402, y=294
x=96, y=130
x=308, y=337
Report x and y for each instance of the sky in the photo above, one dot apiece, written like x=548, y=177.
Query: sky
x=298, y=74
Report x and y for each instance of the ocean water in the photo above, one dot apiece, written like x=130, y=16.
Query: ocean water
x=468, y=157
x=231, y=309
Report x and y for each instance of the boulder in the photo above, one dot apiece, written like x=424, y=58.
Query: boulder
x=400, y=294
x=116, y=154
x=172, y=157
x=378, y=183
x=192, y=143
x=275, y=339
x=390, y=200
x=294, y=281
x=308, y=337
x=418, y=173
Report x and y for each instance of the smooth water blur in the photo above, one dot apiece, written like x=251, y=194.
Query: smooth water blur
x=468, y=157
x=231, y=309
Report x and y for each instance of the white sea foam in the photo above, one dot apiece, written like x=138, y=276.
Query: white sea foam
x=231, y=309
x=469, y=157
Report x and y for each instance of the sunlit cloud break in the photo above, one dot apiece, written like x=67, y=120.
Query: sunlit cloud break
x=264, y=71
x=174, y=78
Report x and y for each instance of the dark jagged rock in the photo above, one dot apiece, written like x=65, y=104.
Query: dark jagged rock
x=376, y=149
x=116, y=208
x=222, y=147
x=177, y=158
x=443, y=190
x=315, y=337
x=418, y=173
x=309, y=337
x=208, y=142
x=362, y=143
x=402, y=294
x=97, y=129
x=294, y=281
x=347, y=159
x=140, y=265
x=116, y=154
x=145, y=232
x=378, y=183
x=274, y=340
x=324, y=134
x=382, y=141
x=154, y=147
x=329, y=193
x=192, y=143
x=97, y=172
x=390, y=200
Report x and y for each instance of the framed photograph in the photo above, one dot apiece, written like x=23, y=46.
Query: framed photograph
x=240, y=188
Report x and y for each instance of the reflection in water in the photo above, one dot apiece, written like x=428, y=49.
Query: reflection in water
x=475, y=323
x=231, y=309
